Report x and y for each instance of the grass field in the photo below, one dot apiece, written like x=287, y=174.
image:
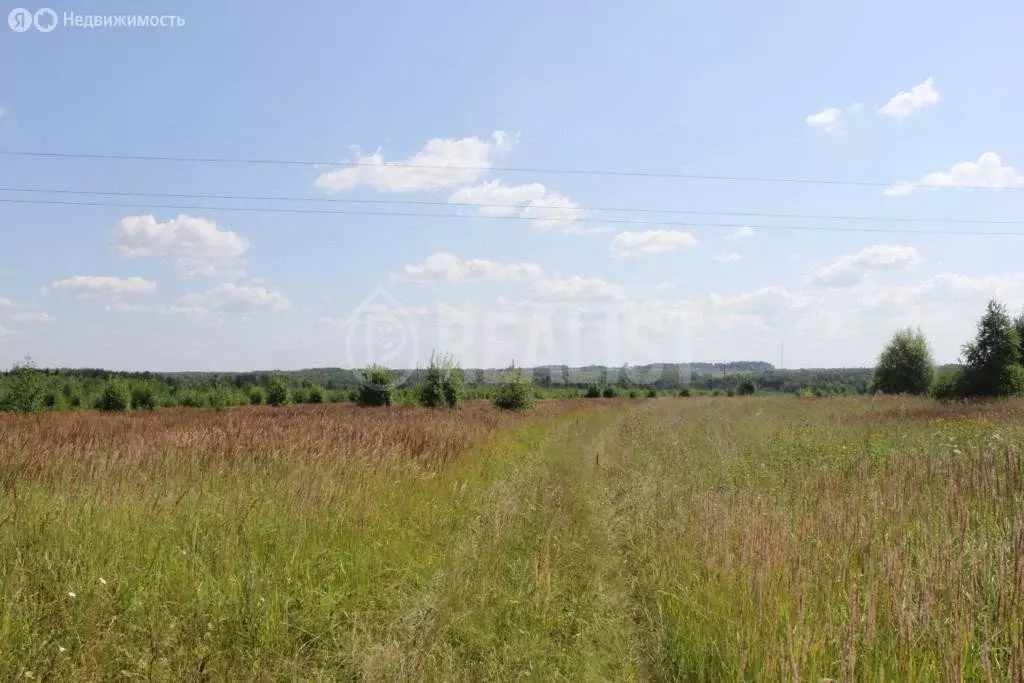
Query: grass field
x=670, y=539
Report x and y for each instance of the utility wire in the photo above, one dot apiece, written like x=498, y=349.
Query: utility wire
x=506, y=169
x=410, y=214
x=409, y=202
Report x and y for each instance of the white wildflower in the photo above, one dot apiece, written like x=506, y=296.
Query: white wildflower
x=71, y=594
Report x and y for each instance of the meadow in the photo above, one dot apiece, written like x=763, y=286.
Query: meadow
x=703, y=538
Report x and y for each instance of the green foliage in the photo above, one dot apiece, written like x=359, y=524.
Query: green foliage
x=315, y=395
x=116, y=397
x=189, y=399
x=684, y=392
x=945, y=386
x=378, y=387
x=610, y=392
x=143, y=397
x=747, y=387
x=633, y=393
x=992, y=362
x=717, y=392
x=515, y=392
x=277, y=391
x=257, y=396
x=300, y=395
x=219, y=398
x=652, y=393
x=444, y=385
x=25, y=391
x=593, y=391
x=905, y=365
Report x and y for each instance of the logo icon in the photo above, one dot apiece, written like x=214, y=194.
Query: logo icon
x=46, y=20
x=381, y=330
x=20, y=20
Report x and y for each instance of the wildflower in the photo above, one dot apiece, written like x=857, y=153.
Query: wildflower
x=103, y=582
x=71, y=594
x=29, y=674
x=61, y=649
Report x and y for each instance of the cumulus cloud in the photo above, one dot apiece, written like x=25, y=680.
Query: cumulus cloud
x=830, y=120
x=230, y=296
x=445, y=267
x=634, y=244
x=443, y=162
x=851, y=269
x=730, y=257
x=102, y=286
x=741, y=234
x=578, y=288
x=549, y=209
x=197, y=246
x=909, y=102
x=987, y=171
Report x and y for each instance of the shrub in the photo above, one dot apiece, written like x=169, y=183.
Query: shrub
x=75, y=401
x=992, y=362
x=25, y=393
x=315, y=395
x=717, y=392
x=444, y=384
x=257, y=396
x=337, y=396
x=378, y=387
x=652, y=393
x=905, y=365
x=746, y=387
x=945, y=387
x=730, y=392
x=189, y=399
x=610, y=392
x=684, y=392
x=116, y=397
x=143, y=398
x=515, y=392
x=633, y=393
x=593, y=391
x=277, y=391
x=300, y=395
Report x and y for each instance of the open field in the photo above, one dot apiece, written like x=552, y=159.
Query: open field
x=667, y=539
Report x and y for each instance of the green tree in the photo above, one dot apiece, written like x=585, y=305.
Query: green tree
x=143, y=397
x=992, y=364
x=593, y=391
x=315, y=395
x=515, y=392
x=609, y=392
x=443, y=385
x=257, y=396
x=377, y=388
x=652, y=393
x=277, y=390
x=116, y=397
x=747, y=387
x=684, y=392
x=1018, y=324
x=25, y=390
x=905, y=365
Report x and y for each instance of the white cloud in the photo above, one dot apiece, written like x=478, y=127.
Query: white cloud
x=445, y=267
x=229, y=296
x=32, y=317
x=102, y=286
x=578, y=288
x=6, y=304
x=987, y=171
x=634, y=244
x=743, y=233
x=731, y=257
x=495, y=198
x=829, y=120
x=850, y=270
x=443, y=162
x=906, y=103
x=197, y=246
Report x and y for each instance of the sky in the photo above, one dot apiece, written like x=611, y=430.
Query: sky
x=483, y=135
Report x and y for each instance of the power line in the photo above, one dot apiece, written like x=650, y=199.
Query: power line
x=409, y=202
x=410, y=214
x=504, y=169
x=692, y=212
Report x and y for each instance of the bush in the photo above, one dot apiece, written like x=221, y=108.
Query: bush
x=717, y=392
x=116, y=397
x=593, y=391
x=610, y=392
x=905, y=365
x=277, y=391
x=515, y=392
x=257, y=396
x=143, y=398
x=684, y=392
x=25, y=392
x=189, y=399
x=992, y=362
x=746, y=387
x=444, y=384
x=337, y=396
x=300, y=395
x=378, y=387
x=945, y=387
x=315, y=395
x=652, y=393
x=633, y=393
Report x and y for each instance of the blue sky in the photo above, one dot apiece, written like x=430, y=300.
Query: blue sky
x=887, y=93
